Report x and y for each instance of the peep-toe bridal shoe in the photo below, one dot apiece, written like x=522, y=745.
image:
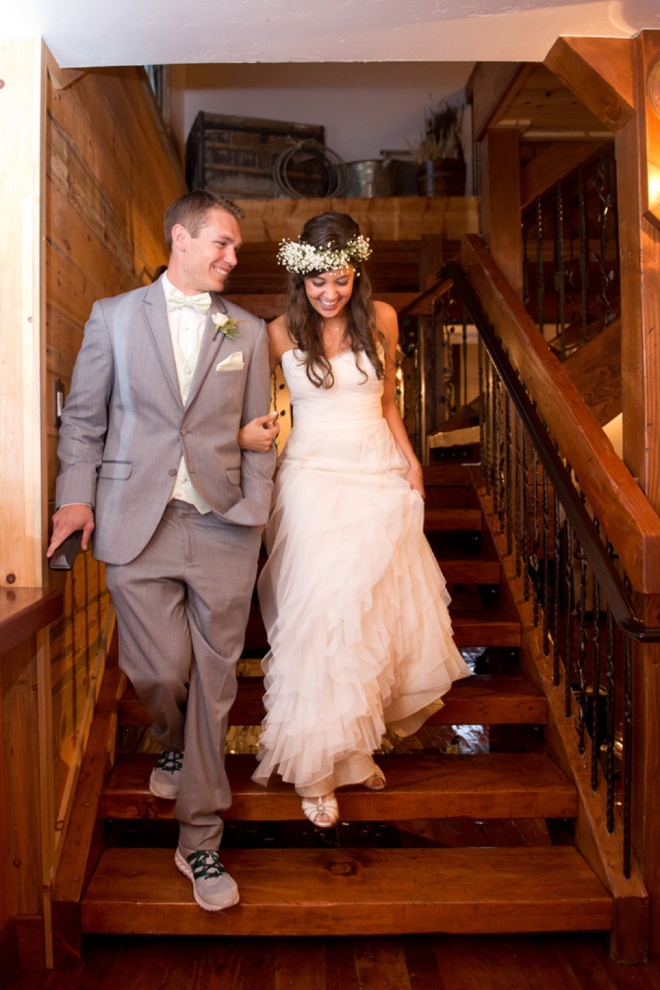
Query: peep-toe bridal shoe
x=319, y=808
x=376, y=779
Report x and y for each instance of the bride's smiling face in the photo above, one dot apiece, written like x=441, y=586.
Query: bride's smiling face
x=329, y=292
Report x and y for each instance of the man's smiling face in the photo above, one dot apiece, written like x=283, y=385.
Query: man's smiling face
x=205, y=261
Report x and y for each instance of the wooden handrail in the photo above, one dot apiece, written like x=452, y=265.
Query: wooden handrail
x=627, y=518
x=25, y=611
x=439, y=288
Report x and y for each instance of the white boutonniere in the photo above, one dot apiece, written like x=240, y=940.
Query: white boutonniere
x=225, y=324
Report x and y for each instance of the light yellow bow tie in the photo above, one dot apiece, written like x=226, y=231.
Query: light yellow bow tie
x=177, y=300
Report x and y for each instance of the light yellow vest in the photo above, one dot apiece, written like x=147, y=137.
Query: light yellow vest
x=185, y=369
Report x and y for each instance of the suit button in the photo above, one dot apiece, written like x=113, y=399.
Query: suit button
x=172, y=472
x=183, y=432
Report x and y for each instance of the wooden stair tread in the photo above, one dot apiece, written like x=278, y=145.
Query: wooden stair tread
x=484, y=627
x=484, y=699
x=353, y=892
x=485, y=785
x=444, y=519
x=472, y=627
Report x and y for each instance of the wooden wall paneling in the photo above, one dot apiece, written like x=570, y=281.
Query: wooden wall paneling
x=600, y=72
x=393, y=218
x=491, y=89
x=8, y=933
x=46, y=795
x=22, y=333
x=551, y=165
x=21, y=744
x=82, y=248
x=646, y=763
x=500, y=203
x=639, y=244
x=595, y=370
x=622, y=509
x=87, y=195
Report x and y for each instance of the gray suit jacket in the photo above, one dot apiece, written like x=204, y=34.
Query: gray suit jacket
x=124, y=426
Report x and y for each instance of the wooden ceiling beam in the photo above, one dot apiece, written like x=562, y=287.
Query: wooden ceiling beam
x=552, y=164
x=599, y=71
x=491, y=89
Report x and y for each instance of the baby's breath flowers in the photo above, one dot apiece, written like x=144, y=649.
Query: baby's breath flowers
x=301, y=258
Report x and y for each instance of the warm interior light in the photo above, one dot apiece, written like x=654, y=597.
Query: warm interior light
x=653, y=172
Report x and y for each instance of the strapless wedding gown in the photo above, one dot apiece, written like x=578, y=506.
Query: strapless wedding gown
x=353, y=600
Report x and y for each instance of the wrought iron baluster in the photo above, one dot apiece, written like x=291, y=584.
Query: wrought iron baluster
x=525, y=494
x=583, y=643
x=627, y=755
x=482, y=403
x=509, y=479
x=498, y=442
x=611, y=695
x=601, y=186
x=595, y=690
x=556, y=672
x=518, y=494
x=464, y=356
x=535, y=547
x=546, y=584
x=560, y=275
x=488, y=369
x=584, y=252
x=568, y=587
x=540, y=278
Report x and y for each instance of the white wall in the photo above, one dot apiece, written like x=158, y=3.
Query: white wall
x=364, y=107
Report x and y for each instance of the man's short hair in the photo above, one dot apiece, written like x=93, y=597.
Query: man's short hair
x=191, y=211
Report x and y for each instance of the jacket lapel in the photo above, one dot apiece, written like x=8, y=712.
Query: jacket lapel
x=155, y=311
x=212, y=341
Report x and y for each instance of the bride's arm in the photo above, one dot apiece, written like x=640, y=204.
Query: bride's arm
x=388, y=325
x=259, y=433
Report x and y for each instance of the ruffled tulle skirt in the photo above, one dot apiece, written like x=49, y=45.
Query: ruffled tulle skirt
x=355, y=607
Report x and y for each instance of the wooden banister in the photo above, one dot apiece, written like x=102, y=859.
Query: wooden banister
x=626, y=516
x=25, y=611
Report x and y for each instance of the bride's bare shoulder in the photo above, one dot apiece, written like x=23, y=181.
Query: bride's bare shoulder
x=280, y=341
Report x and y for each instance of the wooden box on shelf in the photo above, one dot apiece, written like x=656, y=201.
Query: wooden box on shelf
x=235, y=155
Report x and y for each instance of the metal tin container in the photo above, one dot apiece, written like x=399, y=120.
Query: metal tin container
x=373, y=177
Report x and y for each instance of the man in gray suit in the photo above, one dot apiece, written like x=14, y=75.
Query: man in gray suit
x=150, y=461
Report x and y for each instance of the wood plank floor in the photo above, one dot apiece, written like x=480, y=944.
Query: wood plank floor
x=491, y=962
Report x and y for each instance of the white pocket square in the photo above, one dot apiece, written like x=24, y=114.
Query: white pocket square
x=232, y=363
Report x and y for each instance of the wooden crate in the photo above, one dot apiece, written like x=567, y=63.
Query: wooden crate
x=235, y=155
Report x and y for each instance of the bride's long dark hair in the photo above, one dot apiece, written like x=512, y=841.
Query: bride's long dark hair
x=304, y=324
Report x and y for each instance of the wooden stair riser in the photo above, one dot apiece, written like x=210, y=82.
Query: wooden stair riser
x=471, y=627
x=442, y=520
x=451, y=497
x=497, y=785
x=356, y=891
x=480, y=700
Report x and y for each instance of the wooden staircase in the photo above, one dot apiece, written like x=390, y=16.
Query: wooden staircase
x=302, y=882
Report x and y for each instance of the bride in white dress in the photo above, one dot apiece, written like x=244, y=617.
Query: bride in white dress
x=353, y=600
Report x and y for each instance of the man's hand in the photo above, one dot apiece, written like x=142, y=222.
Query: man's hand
x=66, y=521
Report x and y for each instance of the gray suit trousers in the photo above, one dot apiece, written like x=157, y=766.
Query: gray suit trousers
x=182, y=607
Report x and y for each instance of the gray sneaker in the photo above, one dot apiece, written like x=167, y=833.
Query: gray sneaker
x=213, y=888
x=166, y=775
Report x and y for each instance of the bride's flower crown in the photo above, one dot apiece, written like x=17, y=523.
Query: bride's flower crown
x=301, y=258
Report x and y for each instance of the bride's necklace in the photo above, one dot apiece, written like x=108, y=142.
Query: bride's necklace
x=340, y=326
